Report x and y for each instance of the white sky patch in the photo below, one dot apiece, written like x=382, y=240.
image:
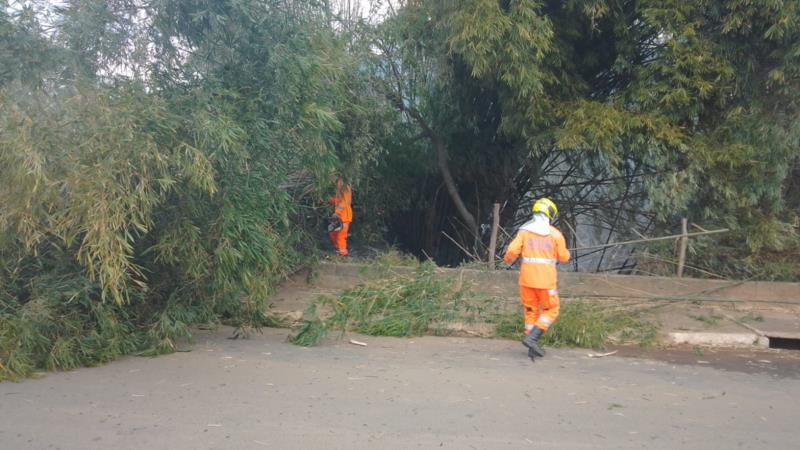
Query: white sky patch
x=372, y=10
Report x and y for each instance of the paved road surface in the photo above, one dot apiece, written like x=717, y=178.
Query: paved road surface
x=398, y=394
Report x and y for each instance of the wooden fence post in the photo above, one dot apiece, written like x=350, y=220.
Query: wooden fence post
x=493, y=236
x=683, y=243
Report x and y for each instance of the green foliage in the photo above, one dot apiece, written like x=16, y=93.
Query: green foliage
x=509, y=326
x=700, y=98
x=708, y=319
x=395, y=258
x=62, y=325
x=24, y=53
x=393, y=305
x=752, y=317
x=585, y=324
x=72, y=178
x=59, y=327
x=311, y=330
x=167, y=165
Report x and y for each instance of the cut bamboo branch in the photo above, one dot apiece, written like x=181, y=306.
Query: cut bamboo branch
x=640, y=241
x=601, y=355
x=739, y=322
x=679, y=299
x=466, y=252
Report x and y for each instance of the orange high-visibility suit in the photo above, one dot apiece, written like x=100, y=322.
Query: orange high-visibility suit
x=541, y=246
x=344, y=211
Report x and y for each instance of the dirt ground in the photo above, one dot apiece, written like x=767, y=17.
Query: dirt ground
x=426, y=392
x=774, y=362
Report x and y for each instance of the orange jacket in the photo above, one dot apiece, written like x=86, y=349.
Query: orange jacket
x=539, y=256
x=343, y=200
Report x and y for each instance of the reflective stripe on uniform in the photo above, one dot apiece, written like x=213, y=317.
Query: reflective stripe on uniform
x=545, y=320
x=552, y=291
x=539, y=261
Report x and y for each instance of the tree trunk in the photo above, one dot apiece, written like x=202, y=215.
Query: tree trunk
x=442, y=158
x=452, y=188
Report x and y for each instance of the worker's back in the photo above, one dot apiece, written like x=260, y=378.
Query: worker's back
x=539, y=249
x=343, y=201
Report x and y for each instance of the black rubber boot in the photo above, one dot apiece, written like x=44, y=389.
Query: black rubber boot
x=532, y=341
x=532, y=355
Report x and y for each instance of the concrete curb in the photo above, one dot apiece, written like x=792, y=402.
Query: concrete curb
x=718, y=339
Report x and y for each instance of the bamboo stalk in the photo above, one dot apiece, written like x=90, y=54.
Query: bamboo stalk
x=661, y=238
x=668, y=298
x=475, y=258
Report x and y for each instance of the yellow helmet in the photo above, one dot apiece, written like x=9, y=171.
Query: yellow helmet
x=546, y=207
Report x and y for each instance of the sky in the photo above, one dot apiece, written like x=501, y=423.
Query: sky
x=381, y=7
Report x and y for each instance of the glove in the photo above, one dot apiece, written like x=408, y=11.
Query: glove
x=335, y=224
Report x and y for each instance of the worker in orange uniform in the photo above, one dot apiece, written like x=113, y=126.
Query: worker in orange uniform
x=541, y=246
x=343, y=212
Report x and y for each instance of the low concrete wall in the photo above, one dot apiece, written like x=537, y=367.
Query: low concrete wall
x=719, y=339
x=504, y=284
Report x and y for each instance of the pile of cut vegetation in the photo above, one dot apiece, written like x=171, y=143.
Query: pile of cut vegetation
x=425, y=302
x=588, y=324
x=390, y=304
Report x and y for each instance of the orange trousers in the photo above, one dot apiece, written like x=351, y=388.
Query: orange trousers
x=540, y=307
x=339, y=239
